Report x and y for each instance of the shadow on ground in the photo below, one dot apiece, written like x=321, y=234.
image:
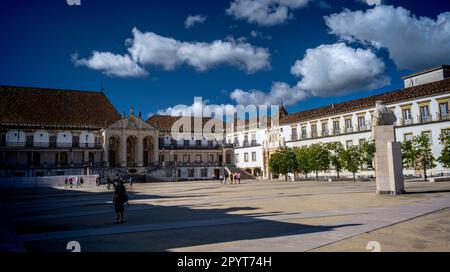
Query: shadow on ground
x=48, y=218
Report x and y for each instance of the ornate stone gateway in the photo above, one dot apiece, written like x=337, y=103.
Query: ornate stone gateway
x=130, y=142
x=388, y=158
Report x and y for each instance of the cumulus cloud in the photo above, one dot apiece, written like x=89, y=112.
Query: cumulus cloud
x=111, y=64
x=338, y=69
x=326, y=70
x=280, y=91
x=413, y=43
x=264, y=12
x=192, y=20
x=148, y=48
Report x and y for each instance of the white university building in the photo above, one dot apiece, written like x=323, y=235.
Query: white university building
x=47, y=132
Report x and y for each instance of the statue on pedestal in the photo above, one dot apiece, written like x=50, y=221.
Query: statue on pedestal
x=388, y=157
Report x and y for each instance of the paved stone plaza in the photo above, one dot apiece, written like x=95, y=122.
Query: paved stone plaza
x=253, y=216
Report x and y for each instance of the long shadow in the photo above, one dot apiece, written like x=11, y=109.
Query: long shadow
x=427, y=192
x=149, y=227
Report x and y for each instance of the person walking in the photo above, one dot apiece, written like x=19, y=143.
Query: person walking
x=81, y=181
x=71, y=182
x=119, y=199
x=66, y=183
x=238, y=175
x=226, y=176
x=231, y=178
x=77, y=182
x=130, y=180
x=108, y=183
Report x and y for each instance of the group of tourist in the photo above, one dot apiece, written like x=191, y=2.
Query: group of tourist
x=69, y=182
x=235, y=178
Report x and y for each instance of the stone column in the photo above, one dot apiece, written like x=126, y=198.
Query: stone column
x=140, y=151
x=155, y=149
x=105, y=149
x=123, y=151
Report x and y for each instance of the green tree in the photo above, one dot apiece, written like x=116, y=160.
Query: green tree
x=304, y=160
x=274, y=163
x=283, y=162
x=352, y=160
x=367, y=154
x=444, y=139
x=417, y=154
x=320, y=158
x=335, y=150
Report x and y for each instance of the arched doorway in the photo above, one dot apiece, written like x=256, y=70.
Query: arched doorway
x=131, y=151
x=113, y=151
x=257, y=172
x=149, y=151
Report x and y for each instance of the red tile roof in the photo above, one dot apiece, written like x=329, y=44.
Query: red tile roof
x=54, y=107
x=369, y=102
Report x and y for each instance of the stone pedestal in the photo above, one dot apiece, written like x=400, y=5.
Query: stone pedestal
x=388, y=161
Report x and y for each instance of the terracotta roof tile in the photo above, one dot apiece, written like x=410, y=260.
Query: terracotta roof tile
x=369, y=102
x=54, y=107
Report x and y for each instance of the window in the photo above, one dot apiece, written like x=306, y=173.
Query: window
x=362, y=141
x=161, y=158
x=428, y=135
x=254, y=139
x=246, y=140
x=336, y=127
x=185, y=158
x=361, y=122
x=425, y=113
x=348, y=125
x=406, y=114
x=191, y=172
x=245, y=157
x=236, y=157
x=303, y=132
x=324, y=128
x=349, y=143
x=314, y=130
x=198, y=158
x=186, y=142
x=175, y=158
x=294, y=133
x=198, y=143
x=254, y=156
x=443, y=110
x=407, y=137
x=204, y=172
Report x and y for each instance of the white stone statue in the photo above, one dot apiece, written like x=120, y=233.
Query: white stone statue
x=382, y=116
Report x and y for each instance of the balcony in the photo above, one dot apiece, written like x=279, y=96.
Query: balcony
x=192, y=146
x=52, y=145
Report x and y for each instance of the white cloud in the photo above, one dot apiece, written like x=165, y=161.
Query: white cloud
x=337, y=69
x=261, y=35
x=148, y=48
x=192, y=20
x=111, y=64
x=371, y=2
x=280, y=91
x=413, y=43
x=327, y=70
x=264, y=12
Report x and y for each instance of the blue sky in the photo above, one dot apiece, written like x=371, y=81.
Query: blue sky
x=229, y=56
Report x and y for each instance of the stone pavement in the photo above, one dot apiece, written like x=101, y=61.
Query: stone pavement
x=207, y=216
